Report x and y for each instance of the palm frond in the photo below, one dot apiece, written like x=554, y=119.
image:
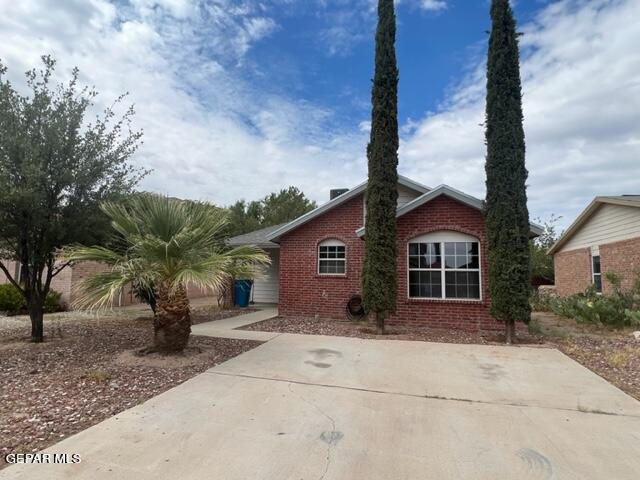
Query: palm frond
x=100, y=290
x=165, y=240
x=92, y=254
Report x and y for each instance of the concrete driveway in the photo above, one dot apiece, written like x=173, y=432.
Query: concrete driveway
x=313, y=407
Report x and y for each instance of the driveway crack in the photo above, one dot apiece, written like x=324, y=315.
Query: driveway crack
x=330, y=438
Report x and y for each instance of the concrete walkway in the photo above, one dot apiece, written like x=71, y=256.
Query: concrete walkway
x=225, y=328
x=331, y=408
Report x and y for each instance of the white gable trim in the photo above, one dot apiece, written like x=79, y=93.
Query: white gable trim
x=274, y=236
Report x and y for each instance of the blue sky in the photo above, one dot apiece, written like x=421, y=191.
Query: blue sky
x=238, y=98
x=434, y=48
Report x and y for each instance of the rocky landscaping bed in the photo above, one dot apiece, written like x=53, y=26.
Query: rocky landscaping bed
x=343, y=328
x=87, y=371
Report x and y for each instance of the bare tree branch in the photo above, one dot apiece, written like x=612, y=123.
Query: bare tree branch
x=10, y=278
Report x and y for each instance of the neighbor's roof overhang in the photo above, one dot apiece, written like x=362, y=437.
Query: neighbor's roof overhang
x=625, y=201
x=354, y=192
x=451, y=193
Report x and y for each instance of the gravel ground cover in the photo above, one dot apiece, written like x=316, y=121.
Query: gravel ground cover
x=343, y=328
x=87, y=370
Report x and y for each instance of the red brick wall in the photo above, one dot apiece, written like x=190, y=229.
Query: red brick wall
x=622, y=258
x=304, y=292
x=442, y=213
x=572, y=271
x=573, y=267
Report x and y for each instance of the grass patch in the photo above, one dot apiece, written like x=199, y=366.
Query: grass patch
x=98, y=375
x=622, y=358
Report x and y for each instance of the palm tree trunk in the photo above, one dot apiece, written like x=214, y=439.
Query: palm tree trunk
x=172, y=321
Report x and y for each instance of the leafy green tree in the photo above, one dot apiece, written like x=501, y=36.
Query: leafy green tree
x=507, y=216
x=167, y=244
x=379, y=279
x=275, y=208
x=284, y=206
x=244, y=217
x=55, y=170
x=541, y=263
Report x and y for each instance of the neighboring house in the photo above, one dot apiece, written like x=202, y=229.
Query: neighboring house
x=68, y=279
x=604, y=238
x=317, y=258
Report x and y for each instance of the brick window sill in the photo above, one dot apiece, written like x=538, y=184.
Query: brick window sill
x=329, y=275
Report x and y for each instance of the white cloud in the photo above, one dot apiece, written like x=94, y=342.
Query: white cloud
x=581, y=91
x=433, y=4
x=207, y=132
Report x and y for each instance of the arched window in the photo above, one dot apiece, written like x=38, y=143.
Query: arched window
x=332, y=257
x=444, y=264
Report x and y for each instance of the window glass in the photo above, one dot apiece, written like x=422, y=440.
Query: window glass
x=332, y=259
x=459, y=270
x=597, y=274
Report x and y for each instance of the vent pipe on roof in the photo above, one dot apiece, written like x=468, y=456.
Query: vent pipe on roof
x=336, y=192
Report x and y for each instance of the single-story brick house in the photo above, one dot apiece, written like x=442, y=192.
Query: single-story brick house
x=604, y=238
x=317, y=258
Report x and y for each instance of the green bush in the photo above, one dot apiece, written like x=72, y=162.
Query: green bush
x=620, y=308
x=11, y=300
x=53, y=302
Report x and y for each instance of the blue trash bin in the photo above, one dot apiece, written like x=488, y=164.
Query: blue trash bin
x=242, y=292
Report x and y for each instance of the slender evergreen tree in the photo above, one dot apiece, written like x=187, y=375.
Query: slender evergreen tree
x=507, y=217
x=379, y=273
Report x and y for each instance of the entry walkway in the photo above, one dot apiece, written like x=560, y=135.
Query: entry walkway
x=226, y=328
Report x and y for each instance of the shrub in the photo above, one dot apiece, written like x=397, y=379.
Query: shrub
x=11, y=300
x=53, y=302
x=619, y=309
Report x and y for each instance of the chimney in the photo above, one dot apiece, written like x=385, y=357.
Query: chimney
x=336, y=192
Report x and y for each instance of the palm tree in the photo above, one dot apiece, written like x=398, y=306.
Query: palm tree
x=163, y=244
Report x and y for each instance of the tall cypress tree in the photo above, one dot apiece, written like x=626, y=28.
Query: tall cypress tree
x=507, y=216
x=379, y=273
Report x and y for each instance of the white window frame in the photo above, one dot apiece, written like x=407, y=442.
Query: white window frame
x=443, y=237
x=331, y=242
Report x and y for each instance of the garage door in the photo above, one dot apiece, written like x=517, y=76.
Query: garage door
x=265, y=289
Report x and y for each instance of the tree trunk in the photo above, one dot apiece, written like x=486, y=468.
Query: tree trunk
x=172, y=321
x=227, y=298
x=36, y=313
x=380, y=323
x=509, y=332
